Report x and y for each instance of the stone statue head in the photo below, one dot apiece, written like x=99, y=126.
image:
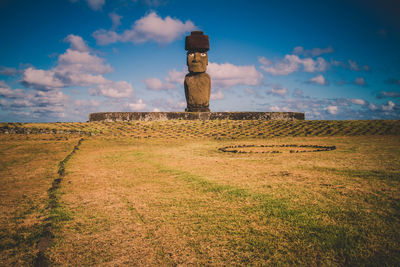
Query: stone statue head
x=197, y=61
x=197, y=45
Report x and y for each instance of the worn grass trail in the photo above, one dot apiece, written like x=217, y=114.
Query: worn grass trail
x=129, y=211
x=28, y=166
x=157, y=202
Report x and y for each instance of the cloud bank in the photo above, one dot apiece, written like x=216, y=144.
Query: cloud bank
x=150, y=28
x=299, y=50
x=320, y=79
x=78, y=66
x=223, y=76
x=293, y=63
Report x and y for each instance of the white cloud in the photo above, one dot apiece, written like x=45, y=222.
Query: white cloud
x=298, y=93
x=41, y=79
x=81, y=103
x=217, y=95
x=23, y=98
x=222, y=76
x=353, y=65
x=275, y=109
x=148, y=28
x=337, y=63
x=360, y=81
x=264, y=61
x=299, y=50
x=153, y=28
x=292, y=63
x=337, y=108
x=180, y=104
x=52, y=98
x=175, y=76
x=137, y=106
x=278, y=91
x=153, y=84
x=279, y=109
x=77, y=67
x=119, y=89
x=39, y=103
x=358, y=101
x=288, y=65
x=388, y=94
x=7, y=92
x=169, y=104
x=74, y=68
x=173, y=79
x=389, y=106
x=84, y=79
x=21, y=103
x=8, y=71
x=227, y=75
x=82, y=107
x=77, y=43
x=350, y=64
x=310, y=65
x=156, y=84
x=96, y=4
x=319, y=79
x=372, y=107
x=249, y=91
x=116, y=19
x=332, y=110
x=104, y=37
x=33, y=103
x=73, y=61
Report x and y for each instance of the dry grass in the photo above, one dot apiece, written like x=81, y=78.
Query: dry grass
x=161, y=193
x=184, y=202
x=28, y=165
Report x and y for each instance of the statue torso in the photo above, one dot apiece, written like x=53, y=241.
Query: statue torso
x=197, y=90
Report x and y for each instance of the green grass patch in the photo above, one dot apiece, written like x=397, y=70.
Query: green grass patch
x=363, y=174
x=344, y=238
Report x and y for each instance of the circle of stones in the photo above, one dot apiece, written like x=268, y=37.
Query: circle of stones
x=315, y=148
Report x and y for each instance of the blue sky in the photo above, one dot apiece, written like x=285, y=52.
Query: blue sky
x=61, y=60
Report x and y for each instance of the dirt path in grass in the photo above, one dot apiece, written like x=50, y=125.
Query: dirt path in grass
x=53, y=211
x=127, y=211
x=28, y=166
x=151, y=203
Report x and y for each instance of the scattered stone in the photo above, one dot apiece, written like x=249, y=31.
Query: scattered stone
x=318, y=148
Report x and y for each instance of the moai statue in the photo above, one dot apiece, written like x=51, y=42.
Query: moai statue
x=197, y=81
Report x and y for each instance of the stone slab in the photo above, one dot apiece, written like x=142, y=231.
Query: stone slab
x=160, y=116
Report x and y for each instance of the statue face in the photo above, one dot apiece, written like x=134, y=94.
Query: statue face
x=197, y=61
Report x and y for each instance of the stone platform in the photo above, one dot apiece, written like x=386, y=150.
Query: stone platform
x=160, y=116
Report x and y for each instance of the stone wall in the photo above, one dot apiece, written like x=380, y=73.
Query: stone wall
x=157, y=116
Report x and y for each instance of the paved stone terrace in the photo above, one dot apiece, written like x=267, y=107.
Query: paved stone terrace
x=214, y=129
x=162, y=116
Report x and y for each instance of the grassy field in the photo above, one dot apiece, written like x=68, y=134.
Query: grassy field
x=28, y=166
x=162, y=193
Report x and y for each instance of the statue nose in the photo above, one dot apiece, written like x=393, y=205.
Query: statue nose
x=196, y=56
